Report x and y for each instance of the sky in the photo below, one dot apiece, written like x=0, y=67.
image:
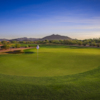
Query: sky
x=78, y=19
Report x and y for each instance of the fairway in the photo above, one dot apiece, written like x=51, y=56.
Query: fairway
x=59, y=73
x=50, y=62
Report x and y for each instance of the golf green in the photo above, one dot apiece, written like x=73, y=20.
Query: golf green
x=50, y=62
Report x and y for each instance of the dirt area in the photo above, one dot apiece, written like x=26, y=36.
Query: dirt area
x=13, y=49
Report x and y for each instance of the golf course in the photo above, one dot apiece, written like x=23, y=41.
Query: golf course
x=54, y=72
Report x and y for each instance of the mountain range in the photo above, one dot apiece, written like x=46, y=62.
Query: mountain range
x=50, y=37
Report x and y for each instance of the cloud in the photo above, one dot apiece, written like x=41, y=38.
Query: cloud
x=82, y=27
x=57, y=19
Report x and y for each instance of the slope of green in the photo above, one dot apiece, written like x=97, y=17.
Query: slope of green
x=57, y=74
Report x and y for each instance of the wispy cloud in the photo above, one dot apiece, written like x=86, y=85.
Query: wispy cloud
x=82, y=27
x=71, y=19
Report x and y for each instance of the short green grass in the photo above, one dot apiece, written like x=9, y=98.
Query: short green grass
x=59, y=73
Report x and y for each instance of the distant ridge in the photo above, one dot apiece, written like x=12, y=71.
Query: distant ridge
x=56, y=37
x=3, y=39
x=25, y=39
x=50, y=37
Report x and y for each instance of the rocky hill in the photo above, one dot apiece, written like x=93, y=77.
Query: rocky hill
x=56, y=37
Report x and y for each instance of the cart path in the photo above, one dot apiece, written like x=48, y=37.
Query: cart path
x=13, y=49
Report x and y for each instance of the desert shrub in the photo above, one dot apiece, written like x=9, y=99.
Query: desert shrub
x=17, y=45
x=5, y=46
x=4, y=42
x=93, y=44
x=80, y=43
x=98, y=45
x=29, y=45
x=84, y=43
x=13, y=46
x=0, y=42
x=26, y=46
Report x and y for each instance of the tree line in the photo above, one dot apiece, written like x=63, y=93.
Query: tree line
x=8, y=44
x=86, y=42
x=17, y=44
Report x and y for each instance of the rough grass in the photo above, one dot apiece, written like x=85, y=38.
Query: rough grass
x=58, y=74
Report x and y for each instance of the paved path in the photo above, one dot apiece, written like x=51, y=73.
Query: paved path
x=13, y=49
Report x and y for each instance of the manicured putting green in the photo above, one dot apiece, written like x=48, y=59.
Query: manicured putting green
x=50, y=62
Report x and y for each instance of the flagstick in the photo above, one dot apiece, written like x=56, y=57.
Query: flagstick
x=37, y=54
x=37, y=51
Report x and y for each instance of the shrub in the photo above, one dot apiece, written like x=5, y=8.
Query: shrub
x=84, y=43
x=17, y=45
x=80, y=43
x=5, y=46
x=4, y=42
x=98, y=45
x=0, y=42
x=29, y=45
x=26, y=46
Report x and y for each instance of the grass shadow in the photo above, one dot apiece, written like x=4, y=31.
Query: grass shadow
x=29, y=52
x=75, y=47
x=20, y=52
x=14, y=52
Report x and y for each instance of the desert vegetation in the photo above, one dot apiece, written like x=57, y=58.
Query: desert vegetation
x=73, y=42
x=86, y=42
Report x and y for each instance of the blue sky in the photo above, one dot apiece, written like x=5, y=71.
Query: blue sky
x=38, y=18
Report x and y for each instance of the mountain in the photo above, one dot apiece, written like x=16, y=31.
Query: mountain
x=3, y=39
x=25, y=39
x=55, y=37
x=51, y=37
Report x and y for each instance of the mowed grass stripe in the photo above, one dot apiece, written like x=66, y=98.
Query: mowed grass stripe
x=83, y=86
